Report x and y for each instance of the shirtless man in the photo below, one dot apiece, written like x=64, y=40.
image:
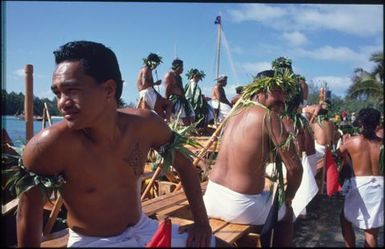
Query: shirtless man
x=149, y=98
x=364, y=202
x=303, y=138
x=238, y=94
x=235, y=191
x=219, y=101
x=174, y=91
x=97, y=154
x=324, y=133
x=305, y=90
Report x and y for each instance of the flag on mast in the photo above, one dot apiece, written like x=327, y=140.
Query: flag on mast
x=218, y=20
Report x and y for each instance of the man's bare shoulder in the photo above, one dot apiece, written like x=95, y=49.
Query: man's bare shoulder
x=255, y=114
x=139, y=117
x=146, y=124
x=168, y=77
x=48, y=147
x=134, y=113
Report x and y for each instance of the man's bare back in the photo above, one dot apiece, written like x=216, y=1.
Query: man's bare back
x=323, y=132
x=144, y=79
x=246, y=173
x=171, y=85
x=364, y=153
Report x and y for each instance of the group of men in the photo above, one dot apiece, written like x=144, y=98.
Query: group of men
x=184, y=103
x=97, y=153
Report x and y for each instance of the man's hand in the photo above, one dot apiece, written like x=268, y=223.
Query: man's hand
x=158, y=82
x=198, y=235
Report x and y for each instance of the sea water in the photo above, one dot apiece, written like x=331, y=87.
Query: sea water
x=16, y=128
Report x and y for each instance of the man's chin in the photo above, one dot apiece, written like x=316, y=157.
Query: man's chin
x=73, y=125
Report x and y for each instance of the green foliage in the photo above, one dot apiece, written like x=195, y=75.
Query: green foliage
x=19, y=179
x=282, y=79
x=281, y=63
x=369, y=85
x=181, y=137
x=195, y=72
x=13, y=103
x=152, y=60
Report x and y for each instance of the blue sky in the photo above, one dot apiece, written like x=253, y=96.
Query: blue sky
x=325, y=42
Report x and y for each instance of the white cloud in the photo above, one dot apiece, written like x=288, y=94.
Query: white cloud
x=19, y=74
x=360, y=20
x=330, y=53
x=45, y=94
x=256, y=12
x=295, y=38
x=338, y=85
x=359, y=57
x=251, y=69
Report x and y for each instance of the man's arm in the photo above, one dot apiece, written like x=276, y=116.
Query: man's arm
x=201, y=231
x=29, y=218
x=222, y=97
x=167, y=81
x=38, y=156
x=147, y=78
x=200, y=234
x=288, y=154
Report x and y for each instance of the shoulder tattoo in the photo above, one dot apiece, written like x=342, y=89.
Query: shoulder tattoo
x=134, y=159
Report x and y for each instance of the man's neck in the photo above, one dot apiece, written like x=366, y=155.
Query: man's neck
x=105, y=130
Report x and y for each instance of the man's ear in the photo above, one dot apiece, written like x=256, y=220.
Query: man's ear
x=110, y=87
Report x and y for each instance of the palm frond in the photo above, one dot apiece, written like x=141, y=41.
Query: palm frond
x=19, y=179
x=181, y=138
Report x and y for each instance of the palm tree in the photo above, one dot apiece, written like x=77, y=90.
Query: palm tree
x=369, y=85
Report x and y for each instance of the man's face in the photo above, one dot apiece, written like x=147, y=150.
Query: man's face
x=276, y=99
x=79, y=98
x=179, y=70
x=223, y=82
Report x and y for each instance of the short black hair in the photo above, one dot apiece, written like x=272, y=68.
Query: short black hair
x=154, y=57
x=239, y=89
x=177, y=63
x=266, y=73
x=97, y=61
x=368, y=119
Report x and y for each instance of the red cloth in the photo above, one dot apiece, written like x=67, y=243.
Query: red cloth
x=332, y=184
x=162, y=236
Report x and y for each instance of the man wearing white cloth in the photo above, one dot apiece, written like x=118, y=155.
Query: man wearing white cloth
x=149, y=98
x=235, y=191
x=219, y=101
x=364, y=201
x=96, y=156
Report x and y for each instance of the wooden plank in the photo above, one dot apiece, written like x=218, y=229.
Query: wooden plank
x=10, y=206
x=162, y=202
x=56, y=239
x=171, y=210
x=231, y=232
x=216, y=225
x=228, y=232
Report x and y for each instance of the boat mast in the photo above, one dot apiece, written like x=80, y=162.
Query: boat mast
x=219, y=22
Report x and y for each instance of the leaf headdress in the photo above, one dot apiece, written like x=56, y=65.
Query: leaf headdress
x=282, y=63
x=195, y=72
x=152, y=60
x=283, y=80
